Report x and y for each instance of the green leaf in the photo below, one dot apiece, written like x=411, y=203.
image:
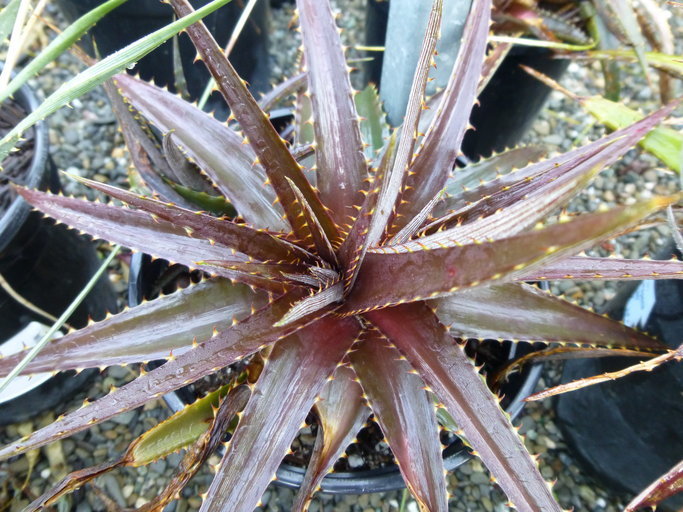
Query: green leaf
x=663, y=142
x=58, y=45
x=7, y=17
x=178, y=431
x=98, y=73
x=217, y=205
x=373, y=125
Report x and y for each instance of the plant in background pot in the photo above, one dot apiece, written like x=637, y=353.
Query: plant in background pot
x=348, y=291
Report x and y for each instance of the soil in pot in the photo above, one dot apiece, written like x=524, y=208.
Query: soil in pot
x=369, y=465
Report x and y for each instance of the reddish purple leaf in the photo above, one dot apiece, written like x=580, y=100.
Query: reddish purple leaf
x=135, y=229
x=282, y=397
x=584, y=267
x=146, y=155
x=442, y=363
x=425, y=274
x=393, y=181
x=519, y=312
x=257, y=244
x=339, y=155
x=406, y=415
x=439, y=149
x=234, y=343
x=150, y=331
x=664, y=487
x=217, y=149
x=341, y=413
x=515, y=207
x=270, y=149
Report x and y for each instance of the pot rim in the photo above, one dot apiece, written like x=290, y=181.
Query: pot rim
x=38, y=173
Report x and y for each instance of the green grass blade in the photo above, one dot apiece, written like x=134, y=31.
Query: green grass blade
x=60, y=43
x=7, y=16
x=60, y=321
x=103, y=70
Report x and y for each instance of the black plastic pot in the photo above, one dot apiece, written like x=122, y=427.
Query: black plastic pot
x=144, y=277
x=137, y=18
x=508, y=105
x=48, y=266
x=628, y=432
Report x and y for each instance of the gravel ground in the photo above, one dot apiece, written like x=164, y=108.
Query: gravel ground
x=84, y=141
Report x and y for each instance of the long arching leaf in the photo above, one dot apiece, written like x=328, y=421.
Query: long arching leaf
x=406, y=415
x=293, y=376
x=442, y=363
x=339, y=154
x=150, y=331
x=646, y=366
x=234, y=343
x=425, y=274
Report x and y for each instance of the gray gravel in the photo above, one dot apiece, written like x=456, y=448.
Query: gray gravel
x=85, y=142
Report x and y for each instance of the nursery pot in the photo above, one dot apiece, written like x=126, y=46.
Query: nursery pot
x=144, y=276
x=137, y=18
x=508, y=104
x=627, y=432
x=46, y=266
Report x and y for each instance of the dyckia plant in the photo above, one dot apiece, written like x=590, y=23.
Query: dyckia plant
x=349, y=290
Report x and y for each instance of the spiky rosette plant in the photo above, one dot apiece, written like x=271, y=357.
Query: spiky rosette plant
x=353, y=286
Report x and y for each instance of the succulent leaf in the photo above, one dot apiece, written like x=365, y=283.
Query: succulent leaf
x=584, y=267
x=150, y=331
x=265, y=141
x=217, y=149
x=256, y=244
x=287, y=388
x=441, y=362
x=393, y=180
x=431, y=272
x=234, y=343
x=134, y=229
x=339, y=154
x=341, y=413
x=406, y=415
x=517, y=311
x=436, y=156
